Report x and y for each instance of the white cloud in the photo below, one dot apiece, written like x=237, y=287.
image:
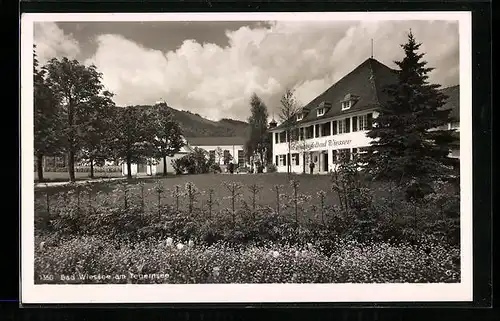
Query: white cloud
x=52, y=42
x=217, y=81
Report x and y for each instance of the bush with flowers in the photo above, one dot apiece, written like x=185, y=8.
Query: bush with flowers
x=176, y=261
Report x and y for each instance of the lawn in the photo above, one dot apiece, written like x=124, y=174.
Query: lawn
x=308, y=184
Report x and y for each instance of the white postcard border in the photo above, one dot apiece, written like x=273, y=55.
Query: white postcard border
x=245, y=293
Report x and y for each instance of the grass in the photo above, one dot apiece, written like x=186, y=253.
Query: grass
x=309, y=184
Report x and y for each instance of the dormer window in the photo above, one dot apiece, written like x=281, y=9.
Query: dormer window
x=349, y=101
x=323, y=108
x=300, y=116
x=346, y=105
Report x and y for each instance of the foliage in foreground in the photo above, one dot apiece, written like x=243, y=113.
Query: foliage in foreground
x=100, y=260
x=296, y=218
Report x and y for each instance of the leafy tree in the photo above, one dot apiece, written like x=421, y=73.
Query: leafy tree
x=411, y=140
x=46, y=121
x=258, y=142
x=287, y=114
x=97, y=141
x=168, y=134
x=195, y=162
x=227, y=158
x=74, y=85
x=131, y=136
x=220, y=154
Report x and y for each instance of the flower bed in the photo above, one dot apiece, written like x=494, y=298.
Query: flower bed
x=100, y=260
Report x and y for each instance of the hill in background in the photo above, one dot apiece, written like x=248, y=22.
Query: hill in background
x=194, y=125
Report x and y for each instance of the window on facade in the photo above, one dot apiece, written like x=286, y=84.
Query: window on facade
x=355, y=124
x=295, y=158
x=295, y=134
x=363, y=122
x=344, y=154
x=282, y=137
x=301, y=133
x=282, y=160
x=309, y=132
x=334, y=128
x=341, y=126
x=321, y=111
x=325, y=129
x=347, y=125
x=277, y=138
x=369, y=120
x=316, y=128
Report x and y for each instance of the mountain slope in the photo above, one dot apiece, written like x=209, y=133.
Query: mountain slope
x=193, y=125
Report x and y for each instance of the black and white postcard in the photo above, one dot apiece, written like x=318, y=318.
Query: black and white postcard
x=246, y=157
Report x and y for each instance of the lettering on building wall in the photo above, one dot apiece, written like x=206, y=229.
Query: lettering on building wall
x=326, y=143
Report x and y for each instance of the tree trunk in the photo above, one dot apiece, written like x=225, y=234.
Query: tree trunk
x=91, y=167
x=129, y=167
x=39, y=166
x=71, y=165
x=164, y=165
x=71, y=142
x=289, y=157
x=304, y=162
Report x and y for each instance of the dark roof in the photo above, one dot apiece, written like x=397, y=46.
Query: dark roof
x=216, y=141
x=366, y=81
x=453, y=101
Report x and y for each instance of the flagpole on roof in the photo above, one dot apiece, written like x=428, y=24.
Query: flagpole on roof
x=372, y=49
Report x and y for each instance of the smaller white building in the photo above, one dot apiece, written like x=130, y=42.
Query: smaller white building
x=223, y=150
x=155, y=166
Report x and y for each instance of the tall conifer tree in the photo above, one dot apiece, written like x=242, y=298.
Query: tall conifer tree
x=258, y=143
x=412, y=142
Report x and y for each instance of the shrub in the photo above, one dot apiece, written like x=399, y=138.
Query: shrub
x=215, y=168
x=195, y=162
x=271, y=168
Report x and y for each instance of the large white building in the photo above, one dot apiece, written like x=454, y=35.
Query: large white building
x=336, y=122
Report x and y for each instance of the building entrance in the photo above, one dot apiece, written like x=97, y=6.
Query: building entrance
x=325, y=161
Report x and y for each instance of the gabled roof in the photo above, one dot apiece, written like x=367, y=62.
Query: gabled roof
x=366, y=81
x=216, y=141
x=453, y=101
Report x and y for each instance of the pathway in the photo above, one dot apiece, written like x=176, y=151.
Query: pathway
x=97, y=180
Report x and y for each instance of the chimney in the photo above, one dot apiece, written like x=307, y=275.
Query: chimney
x=272, y=123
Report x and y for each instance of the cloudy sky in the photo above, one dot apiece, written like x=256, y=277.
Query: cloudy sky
x=212, y=68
